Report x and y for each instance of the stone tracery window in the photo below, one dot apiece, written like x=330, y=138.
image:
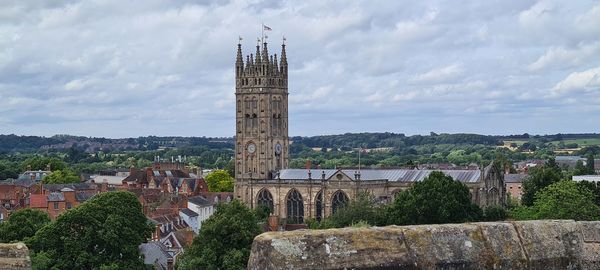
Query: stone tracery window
x=295, y=207
x=319, y=205
x=265, y=198
x=338, y=200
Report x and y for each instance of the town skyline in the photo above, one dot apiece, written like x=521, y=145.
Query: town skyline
x=413, y=68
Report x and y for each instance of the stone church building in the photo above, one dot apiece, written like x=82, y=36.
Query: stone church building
x=295, y=195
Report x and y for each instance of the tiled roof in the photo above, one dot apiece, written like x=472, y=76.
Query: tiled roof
x=514, y=178
x=140, y=176
x=394, y=175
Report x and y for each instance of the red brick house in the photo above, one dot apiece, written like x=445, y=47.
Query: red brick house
x=169, y=181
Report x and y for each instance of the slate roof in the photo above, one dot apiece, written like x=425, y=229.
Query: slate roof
x=188, y=212
x=217, y=197
x=156, y=254
x=56, y=197
x=83, y=196
x=514, y=178
x=73, y=186
x=199, y=200
x=24, y=182
x=393, y=175
x=38, y=175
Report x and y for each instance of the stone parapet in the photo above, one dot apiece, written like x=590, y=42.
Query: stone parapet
x=14, y=257
x=538, y=244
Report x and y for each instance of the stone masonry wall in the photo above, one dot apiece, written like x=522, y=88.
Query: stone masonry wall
x=14, y=257
x=540, y=244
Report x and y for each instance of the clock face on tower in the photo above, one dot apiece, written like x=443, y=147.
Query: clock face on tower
x=251, y=148
x=278, y=149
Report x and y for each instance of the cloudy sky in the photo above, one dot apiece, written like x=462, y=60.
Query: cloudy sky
x=117, y=68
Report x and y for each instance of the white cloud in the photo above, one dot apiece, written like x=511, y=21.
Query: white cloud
x=122, y=63
x=563, y=57
x=585, y=81
x=439, y=75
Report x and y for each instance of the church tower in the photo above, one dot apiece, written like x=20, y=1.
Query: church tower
x=261, y=91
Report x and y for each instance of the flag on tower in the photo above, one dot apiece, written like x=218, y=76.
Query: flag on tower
x=266, y=28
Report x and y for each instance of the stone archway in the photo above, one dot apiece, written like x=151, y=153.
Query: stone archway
x=338, y=200
x=265, y=198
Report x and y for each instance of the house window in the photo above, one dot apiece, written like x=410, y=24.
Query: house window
x=55, y=205
x=69, y=205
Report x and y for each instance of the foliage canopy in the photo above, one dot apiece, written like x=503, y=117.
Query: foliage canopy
x=436, y=199
x=106, y=230
x=224, y=240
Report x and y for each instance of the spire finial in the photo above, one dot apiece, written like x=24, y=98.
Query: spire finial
x=257, y=62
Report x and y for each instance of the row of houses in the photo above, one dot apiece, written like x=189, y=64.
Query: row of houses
x=176, y=201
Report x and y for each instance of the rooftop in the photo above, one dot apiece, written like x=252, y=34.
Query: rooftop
x=394, y=175
x=514, y=178
x=199, y=200
x=188, y=212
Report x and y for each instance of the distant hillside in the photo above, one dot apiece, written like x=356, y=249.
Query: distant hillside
x=13, y=143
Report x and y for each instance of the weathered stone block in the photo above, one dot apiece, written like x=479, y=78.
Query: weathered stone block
x=543, y=244
x=14, y=257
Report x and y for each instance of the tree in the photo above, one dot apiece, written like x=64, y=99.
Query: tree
x=219, y=181
x=590, y=166
x=104, y=231
x=262, y=212
x=593, y=187
x=8, y=169
x=22, y=224
x=61, y=177
x=437, y=199
x=494, y=213
x=230, y=167
x=539, y=178
x=566, y=200
x=580, y=169
x=224, y=240
x=363, y=208
x=41, y=163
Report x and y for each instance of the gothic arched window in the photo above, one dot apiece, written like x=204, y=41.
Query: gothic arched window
x=295, y=207
x=319, y=205
x=338, y=200
x=265, y=198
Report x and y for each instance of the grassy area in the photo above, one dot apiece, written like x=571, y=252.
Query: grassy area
x=581, y=142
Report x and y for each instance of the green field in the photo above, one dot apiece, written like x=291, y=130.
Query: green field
x=581, y=142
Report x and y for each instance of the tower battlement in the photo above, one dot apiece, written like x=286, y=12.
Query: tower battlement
x=261, y=69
